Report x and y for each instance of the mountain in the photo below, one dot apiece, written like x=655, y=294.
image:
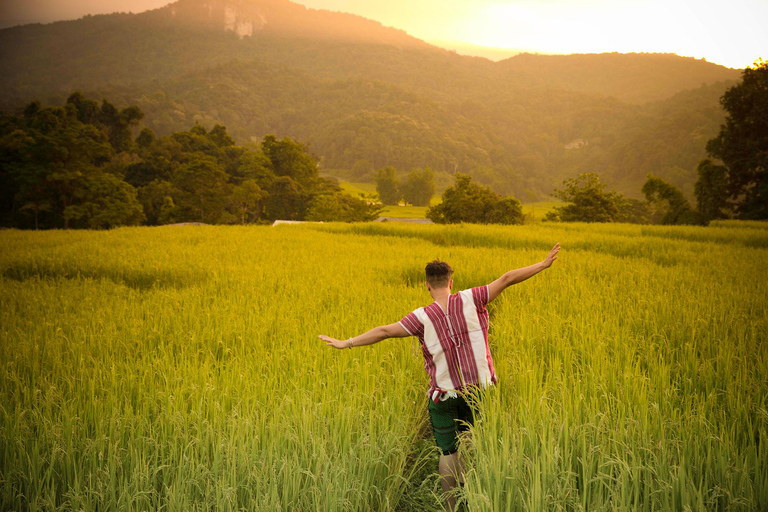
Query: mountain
x=363, y=96
x=634, y=78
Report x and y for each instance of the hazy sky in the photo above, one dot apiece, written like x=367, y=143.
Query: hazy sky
x=728, y=32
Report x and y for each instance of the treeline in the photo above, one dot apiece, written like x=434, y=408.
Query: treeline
x=587, y=200
x=733, y=182
x=516, y=143
x=78, y=166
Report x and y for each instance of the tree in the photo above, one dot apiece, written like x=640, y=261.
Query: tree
x=286, y=200
x=105, y=201
x=419, y=187
x=253, y=165
x=742, y=143
x=197, y=140
x=469, y=202
x=507, y=210
x=36, y=205
x=118, y=123
x=588, y=201
x=145, y=138
x=48, y=156
x=678, y=210
x=202, y=189
x=157, y=200
x=341, y=207
x=220, y=137
x=87, y=110
x=246, y=201
x=387, y=185
x=290, y=158
x=711, y=190
x=633, y=211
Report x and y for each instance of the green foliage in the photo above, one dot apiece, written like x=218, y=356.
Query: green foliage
x=388, y=185
x=340, y=207
x=711, y=190
x=469, y=202
x=202, y=188
x=742, y=143
x=157, y=200
x=419, y=187
x=247, y=201
x=672, y=201
x=220, y=137
x=588, y=201
x=104, y=201
x=290, y=158
x=145, y=138
x=58, y=162
x=62, y=169
x=286, y=201
x=634, y=211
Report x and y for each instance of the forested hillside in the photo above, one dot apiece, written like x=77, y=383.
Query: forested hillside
x=363, y=96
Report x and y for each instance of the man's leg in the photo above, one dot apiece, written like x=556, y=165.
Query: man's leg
x=451, y=471
x=447, y=422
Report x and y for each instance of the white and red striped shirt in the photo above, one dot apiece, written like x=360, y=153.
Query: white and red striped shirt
x=454, y=342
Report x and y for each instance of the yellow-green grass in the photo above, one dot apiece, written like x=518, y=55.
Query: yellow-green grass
x=358, y=189
x=538, y=210
x=755, y=224
x=533, y=211
x=404, y=212
x=178, y=368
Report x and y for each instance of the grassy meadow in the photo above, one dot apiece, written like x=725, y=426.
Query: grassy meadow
x=179, y=368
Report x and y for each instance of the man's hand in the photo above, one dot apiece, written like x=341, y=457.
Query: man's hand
x=552, y=256
x=334, y=342
x=521, y=274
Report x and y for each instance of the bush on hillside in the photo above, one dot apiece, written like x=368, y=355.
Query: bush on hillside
x=469, y=202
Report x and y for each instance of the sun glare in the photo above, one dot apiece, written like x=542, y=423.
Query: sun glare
x=732, y=36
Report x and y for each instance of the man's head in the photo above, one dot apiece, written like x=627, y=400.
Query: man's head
x=439, y=275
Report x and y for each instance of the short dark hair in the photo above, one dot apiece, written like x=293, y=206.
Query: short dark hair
x=438, y=273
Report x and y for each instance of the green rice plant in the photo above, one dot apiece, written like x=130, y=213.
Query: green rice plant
x=178, y=368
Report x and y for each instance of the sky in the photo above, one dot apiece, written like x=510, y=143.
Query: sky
x=727, y=32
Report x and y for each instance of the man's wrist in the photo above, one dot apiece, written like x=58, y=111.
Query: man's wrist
x=350, y=343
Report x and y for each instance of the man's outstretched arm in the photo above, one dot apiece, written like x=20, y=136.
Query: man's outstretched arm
x=375, y=335
x=521, y=274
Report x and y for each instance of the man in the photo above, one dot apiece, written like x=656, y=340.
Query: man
x=453, y=332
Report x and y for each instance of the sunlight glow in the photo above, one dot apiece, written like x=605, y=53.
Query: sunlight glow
x=728, y=33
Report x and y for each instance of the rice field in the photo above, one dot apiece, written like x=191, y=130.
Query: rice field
x=404, y=212
x=179, y=368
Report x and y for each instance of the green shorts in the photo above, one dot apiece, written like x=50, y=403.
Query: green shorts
x=449, y=417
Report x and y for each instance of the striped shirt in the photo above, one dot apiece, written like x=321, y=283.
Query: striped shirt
x=454, y=342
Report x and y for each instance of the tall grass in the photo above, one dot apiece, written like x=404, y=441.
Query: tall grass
x=178, y=368
x=203, y=389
